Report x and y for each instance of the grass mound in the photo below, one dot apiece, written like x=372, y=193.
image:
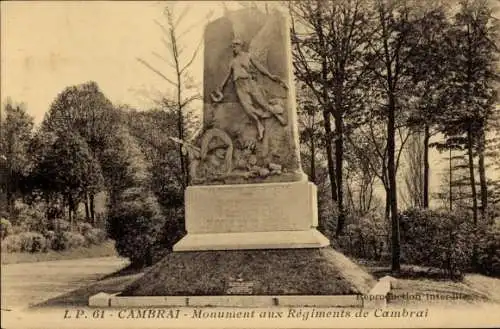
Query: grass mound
x=273, y=272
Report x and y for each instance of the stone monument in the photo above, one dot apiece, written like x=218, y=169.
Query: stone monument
x=251, y=214
x=248, y=190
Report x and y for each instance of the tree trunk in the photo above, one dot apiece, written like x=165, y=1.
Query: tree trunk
x=313, y=159
x=473, y=190
x=87, y=210
x=339, y=157
x=329, y=154
x=472, y=179
x=391, y=171
x=327, y=110
x=387, y=205
x=70, y=215
x=92, y=209
x=482, y=179
x=451, y=181
x=180, y=131
x=426, y=167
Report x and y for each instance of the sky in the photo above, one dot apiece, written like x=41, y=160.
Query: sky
x=47, y=46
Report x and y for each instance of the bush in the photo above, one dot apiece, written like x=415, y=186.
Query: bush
x=83, y=228
x=30, y=218
x=489, y=252
x=95, y=236
x=12, y=243
x=50, y=237
x=68, y=240
x=437, y=239
x=5, y=228
x=135, y=223
x=366, y=238
x=61, y=225
x=33, y=242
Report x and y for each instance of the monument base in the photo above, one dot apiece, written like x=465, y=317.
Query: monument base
x=251, y=216
x=253, y=240
x=272, y=272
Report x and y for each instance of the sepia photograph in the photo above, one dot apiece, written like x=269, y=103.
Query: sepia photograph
x=250, y=164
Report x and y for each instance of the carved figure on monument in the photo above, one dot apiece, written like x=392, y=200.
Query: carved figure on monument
x=213, y=159
x=249, y=93
x=193, y=153
x=249, y=132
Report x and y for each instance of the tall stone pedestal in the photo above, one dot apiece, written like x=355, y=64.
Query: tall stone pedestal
x=251, y=216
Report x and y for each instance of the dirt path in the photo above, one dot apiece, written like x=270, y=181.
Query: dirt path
x=31, y=283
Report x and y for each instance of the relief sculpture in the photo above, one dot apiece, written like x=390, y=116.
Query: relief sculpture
x=249, y=93
x=248, y=133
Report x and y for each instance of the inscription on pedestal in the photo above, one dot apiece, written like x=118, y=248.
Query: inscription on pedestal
x=239, y=287
x=251, y=208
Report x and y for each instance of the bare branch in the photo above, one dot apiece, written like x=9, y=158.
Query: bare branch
x=403, y=142
x=367, y=158
x=195, y=52
x=189, y=100
x=181, y=16
x=143, y=62
x=162, y=27
x=163, y=59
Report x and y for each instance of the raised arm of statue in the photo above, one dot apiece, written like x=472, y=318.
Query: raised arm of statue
x=265, y=72
x=217, y=95
x=226, y=79
x=262, y=69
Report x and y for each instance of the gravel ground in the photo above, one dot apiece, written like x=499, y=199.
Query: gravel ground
x=31, y=283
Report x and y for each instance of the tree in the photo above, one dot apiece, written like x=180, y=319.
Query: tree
x=15, y=135
x=328, y=40
x=472, y=92
x=311, y=134
x=389, y=55
x=428, y=62
x=451, y=144
x=179, y=77
x=84, y=109
x=67, y=167
x=360, y=181
x=135, y=218
x=368, y=147
x=152, y=130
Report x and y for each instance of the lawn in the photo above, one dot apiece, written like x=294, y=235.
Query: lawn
x=423, y=285
x=105, y=249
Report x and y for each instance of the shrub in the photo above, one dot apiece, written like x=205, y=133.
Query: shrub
x=95, y=236
x=68, y=240
x=83, y=228
x=61, y=225
x=489, y=252
x=50, y=237
x=135, y=223
x=75, y=240
x=437, y=239
x=12, y=243
x=364, y=238
x=30, y=217
x=18, y=229
x=5, y=228
x=33, y=242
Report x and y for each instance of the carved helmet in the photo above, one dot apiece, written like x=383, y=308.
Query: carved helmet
x=237, y=41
